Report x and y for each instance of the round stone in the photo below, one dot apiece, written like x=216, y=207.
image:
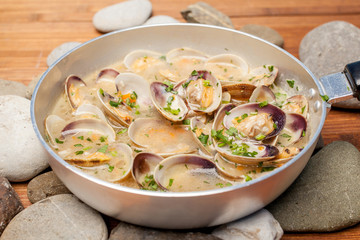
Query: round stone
x=59, y=51
x=160, y=19
x=122, y=15
x=31, y=87
x=125, y=231
x=264, y=32
x=45, y=185
x=12, y=88
x=10, y=203
x=325, y=197
x=259, y=225
x=21, y=154
x=59, y=217
x=328, y=48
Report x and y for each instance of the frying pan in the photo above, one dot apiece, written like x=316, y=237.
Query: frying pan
x=187, y=210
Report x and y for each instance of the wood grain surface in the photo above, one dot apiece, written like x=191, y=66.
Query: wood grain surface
x=30, y=29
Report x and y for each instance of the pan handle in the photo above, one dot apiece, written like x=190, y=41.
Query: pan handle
x=343, y=85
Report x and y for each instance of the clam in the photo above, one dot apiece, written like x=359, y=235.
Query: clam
x=89, y=126
x=227, y=67
x=203, y=92
x=285, y=154
x=113, y=162
x=264, y=75
x=236, y=145
x=182, y=61
x=296, y=104
x=294, y=130
x=239, y=92
x=89, y=111
x=143, y=169
x=74, y=90
x=225, y=98
x=106, y=80
x=116, y=108
x=145, y=62
x=128, y=83
x=261, y=94
x=53, y=126
x=256, y=121
x=188, y=172
x=202, y=131
x=161, y=136
x=168, y=102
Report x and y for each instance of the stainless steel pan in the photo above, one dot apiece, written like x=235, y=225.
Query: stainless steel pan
x=192, y=209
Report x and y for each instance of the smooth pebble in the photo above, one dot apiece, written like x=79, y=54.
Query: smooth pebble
x=264, y=32
x=12, y=88
x=160, y=19
x=59, y=51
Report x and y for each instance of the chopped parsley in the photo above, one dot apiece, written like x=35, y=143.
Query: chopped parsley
x=149, y=183
x=137, y=150
x=78, y=145
x=115, y=104
x=101, y=91
x=103, y=139
x=170, y=87
x=203, y=138
x=247, y=178
x=303, y=133
x=275, y=126
x=291, y=83
x=271, y=68
x=267, y=169
x=162, y=58
x=103, y=148
x=260, y=137
x=111, y=168
x=81, y=137
x=186, y=122
x=169, y=109
x=263, y=104
x=79, y=152
x=122, y=131
x=89, y=139
x=227, y=113
x=171, y=181
x=286, y=136
x=325, y=97
x=303, y=109
x=161, y=166
x=232, y=131
x=206, y=83
x=194, y=73
x=58, y=141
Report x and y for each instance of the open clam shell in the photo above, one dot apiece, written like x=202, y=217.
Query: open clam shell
x=261, y=94
x=296, y=104
x=227, y=67
x=132, y=83
x=203, y=92
x=116, y=168
x=294, y=130
x=89, y=125
x=187, y=172
x=115, y=108
x=240, y=92
x=89, y=111
x=143, y=169
x=74, y=90
x=161, y=137
x=107, y=75
x=263, y=75
x=168, y=102
x=53, y=126
x=202, y=134
x=270, y=116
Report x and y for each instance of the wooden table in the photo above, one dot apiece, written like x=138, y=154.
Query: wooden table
x=30, y=29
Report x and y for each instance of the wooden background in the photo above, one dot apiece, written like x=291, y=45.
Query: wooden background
x=30, y=29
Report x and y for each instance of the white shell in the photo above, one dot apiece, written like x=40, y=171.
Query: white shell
x=89, y=111
x=53, y=126
x=263, y=75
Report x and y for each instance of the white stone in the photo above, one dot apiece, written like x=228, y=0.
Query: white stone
x=59, y=51
x=21, y=154
x=160, y=19
x=122, y=15
x=58, y=217
x=31, y=87
x=260, y=225
x=12, y=87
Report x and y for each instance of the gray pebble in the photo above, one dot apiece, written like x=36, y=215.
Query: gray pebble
x=45, y=185
x=125, y=231
x=58, y=217
x=12, y=88
x=325, y=197
x=31, y=87
x=122, y=15
x=260, y=225
x=160, y=19
x=21, y=154
x=328, y=48
x=264, y=32
x=59, y=51
x=204, y=13
x=10, y=203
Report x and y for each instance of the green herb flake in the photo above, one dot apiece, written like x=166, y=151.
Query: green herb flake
x=81, y=137
x=103, y=148
x=206, y=83
x=161, y=166
x=87, y=148
x=247, y=178
x=78, y=145
x=111, y=168
x=303, y=133
x=101, y=91
x=260, y=137
x=291, y=83
x=147, y=135
x=286, y=136
x=227, y=113
x=206, y=182
x=228, y=184
x=122, y=131
x=79, y=152
x=171, y=181
x=137, y=150
x=325, y=97
x=303, y=109
x=163, y=58
x=103, y=138
x=232, y=131
x=186, y=122
x=203, y=138
x=263, y=104
x=219, y=185
x=58, y=141
x=114, y=153
x=114, y=104
x=271, y=68
x=194, y=73
x=267, y=169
